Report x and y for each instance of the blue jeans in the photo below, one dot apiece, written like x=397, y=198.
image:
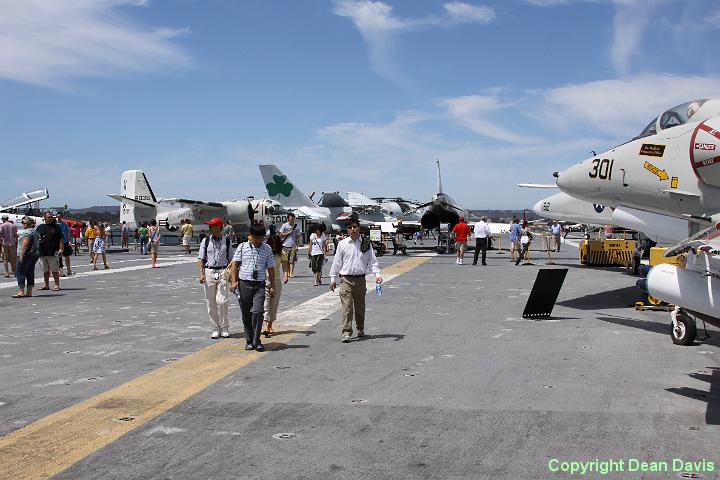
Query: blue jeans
x=143, y=244
x=25, y=271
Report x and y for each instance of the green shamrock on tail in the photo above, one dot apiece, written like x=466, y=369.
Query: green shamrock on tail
x=280, y=187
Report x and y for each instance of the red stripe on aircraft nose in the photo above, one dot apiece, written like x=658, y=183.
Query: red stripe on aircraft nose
x=709, y=130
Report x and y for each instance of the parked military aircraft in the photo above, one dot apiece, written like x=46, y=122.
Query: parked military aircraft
x=659, y=228
x=139, y=205
x=672, y=168
x=332, y=211
x=15, y=204
x=442, y=208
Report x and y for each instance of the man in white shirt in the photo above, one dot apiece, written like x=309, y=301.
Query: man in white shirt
x=482, y=237
x=352, y=261
x=556, y=231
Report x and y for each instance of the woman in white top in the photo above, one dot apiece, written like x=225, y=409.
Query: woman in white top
x=317, y=251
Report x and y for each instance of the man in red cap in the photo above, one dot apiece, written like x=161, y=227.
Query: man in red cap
x=213, y=258
x=460, y=232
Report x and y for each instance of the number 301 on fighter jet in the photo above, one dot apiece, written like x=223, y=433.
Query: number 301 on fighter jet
x=601, y=169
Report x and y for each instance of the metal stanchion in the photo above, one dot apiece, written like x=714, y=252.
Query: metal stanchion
x=500, y=249
x=548, y=241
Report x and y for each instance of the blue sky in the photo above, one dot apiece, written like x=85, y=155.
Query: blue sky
x=342, y=95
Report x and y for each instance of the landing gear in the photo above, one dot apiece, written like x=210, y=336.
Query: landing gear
x=683, y=330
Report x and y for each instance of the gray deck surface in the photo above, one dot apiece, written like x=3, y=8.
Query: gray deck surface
x=451, y=382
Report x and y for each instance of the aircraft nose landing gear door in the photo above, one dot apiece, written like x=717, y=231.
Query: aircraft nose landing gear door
x=705, y=152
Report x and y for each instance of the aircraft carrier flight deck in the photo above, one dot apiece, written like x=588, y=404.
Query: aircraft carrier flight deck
x=116, y=377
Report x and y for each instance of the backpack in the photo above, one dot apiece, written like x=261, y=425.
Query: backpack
x=227, y=250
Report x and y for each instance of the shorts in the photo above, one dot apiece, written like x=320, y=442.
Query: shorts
x=50, y=264
x=10, y=253
x=67, y=250
x=186, y=240
x=515, y=244
x=154, y=247
x=291, y=253
x=460, y=246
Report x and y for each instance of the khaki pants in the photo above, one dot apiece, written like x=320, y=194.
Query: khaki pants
x=216, y=296
x=557, y=241
x=352, y=300
x=272, y=303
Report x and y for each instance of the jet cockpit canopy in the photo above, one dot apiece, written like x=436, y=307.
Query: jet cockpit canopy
x=678, y=115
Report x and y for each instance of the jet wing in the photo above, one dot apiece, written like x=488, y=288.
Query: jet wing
x=122, y=199
x=184, y=202
x=537, y=185
x=707, y=240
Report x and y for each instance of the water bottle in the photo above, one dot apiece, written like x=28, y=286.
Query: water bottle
x=378, y=290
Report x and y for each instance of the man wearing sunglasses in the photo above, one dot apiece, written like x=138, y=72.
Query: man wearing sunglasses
x=354, y=256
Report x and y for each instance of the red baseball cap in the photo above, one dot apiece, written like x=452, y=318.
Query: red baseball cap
x=462, y=219
x=215, y=221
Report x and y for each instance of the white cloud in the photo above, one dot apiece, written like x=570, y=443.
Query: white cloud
x=631, y=18
x=624, y=106
x=379, y=27
x=47, y=42
x=466, y=13
x=479, y=114
x=547, y=3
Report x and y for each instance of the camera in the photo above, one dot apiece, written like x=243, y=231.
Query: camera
x=255, y=274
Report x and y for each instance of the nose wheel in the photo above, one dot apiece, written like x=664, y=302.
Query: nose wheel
x=683, y=330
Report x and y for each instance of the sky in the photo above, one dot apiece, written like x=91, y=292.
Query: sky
x=342, y=95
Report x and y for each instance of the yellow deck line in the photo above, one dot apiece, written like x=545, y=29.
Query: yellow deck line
x=54, y=443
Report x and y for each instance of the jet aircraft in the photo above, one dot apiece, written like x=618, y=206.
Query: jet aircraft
x=672, y=168
x=442, y=208
x=139, y=205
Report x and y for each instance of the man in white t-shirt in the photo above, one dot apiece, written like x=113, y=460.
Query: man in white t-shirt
x=290, y=235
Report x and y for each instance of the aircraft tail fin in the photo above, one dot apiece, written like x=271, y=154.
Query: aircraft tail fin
x=440, y=190
x=280, y=188
x=141, y=203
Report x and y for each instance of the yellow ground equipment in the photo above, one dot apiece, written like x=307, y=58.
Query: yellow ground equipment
x=607, y=252
x=656, y=257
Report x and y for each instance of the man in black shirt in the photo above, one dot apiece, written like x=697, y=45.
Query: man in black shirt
x=51, y=242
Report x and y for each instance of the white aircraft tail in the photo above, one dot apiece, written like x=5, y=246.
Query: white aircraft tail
x=280, y=188
x=137, y=198
x=439, y=177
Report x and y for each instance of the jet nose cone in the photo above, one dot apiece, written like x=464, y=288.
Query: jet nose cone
x=537, y=208
x=563, y=179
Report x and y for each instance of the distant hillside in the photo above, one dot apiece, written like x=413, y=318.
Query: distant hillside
x=505, y=215
x=100, y=213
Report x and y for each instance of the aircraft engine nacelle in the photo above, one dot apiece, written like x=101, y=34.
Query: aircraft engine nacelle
x=687, y=288
x=432, y=219
x=239, y=212
x=705, y=151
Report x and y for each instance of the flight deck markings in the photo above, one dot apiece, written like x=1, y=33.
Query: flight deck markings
x=52, y=444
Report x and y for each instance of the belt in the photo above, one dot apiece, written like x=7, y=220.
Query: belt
x=252, y=281
x=217, y=268
x=354, y=276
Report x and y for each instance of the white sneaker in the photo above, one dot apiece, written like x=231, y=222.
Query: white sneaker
x=457, y=261
x=225, y=334
x=215, y=334
x=345, y=339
